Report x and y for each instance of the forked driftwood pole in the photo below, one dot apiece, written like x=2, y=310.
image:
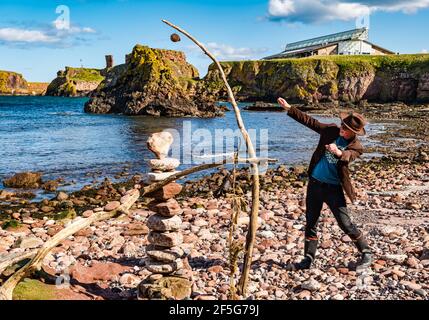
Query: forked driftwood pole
x=251, y=234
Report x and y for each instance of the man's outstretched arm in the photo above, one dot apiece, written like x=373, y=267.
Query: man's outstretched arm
x=301, y=117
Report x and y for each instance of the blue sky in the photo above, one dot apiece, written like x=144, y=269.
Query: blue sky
x=32, y=44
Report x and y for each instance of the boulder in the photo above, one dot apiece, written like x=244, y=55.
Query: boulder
x=165, y=288
x=24, y=180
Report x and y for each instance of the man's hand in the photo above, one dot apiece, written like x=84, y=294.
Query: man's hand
x=283, y=103
x=332, y=148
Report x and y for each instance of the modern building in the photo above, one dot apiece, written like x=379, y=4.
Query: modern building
x=353, y=42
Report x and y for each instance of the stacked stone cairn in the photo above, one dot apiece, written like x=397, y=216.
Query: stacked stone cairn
x=165, y=256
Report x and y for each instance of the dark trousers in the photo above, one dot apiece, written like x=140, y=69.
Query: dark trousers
x=333, y=195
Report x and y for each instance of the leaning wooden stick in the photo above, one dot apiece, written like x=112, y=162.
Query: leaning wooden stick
x=250, y=239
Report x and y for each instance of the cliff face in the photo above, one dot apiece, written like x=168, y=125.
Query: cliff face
x=322, y=79
x=12, y=83
x=75, y=82
x=153, y=82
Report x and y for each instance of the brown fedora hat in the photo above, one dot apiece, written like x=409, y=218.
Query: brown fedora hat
x=354, y=121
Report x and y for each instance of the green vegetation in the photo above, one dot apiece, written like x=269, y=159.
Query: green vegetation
x=10, y=224
x=84, y=74
x=12, y=82
x=30, y=289
x=65, y=215
x=66, y=83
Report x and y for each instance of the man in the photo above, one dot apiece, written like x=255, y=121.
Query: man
x=329, y=177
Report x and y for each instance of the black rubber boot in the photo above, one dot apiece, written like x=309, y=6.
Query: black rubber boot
x=366, y=258
x=310, y=247
x=365, y=261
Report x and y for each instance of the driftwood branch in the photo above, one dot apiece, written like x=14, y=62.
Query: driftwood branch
x=10, y=259
x=35, y=264
x=255, y=170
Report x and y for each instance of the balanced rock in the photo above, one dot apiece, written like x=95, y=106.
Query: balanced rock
x=168, y=209
x=165, y=239
x=159, y=143
x=168, y=191
x=164, y=255
x=163, y=165
x=163, y=267
x=158, y=222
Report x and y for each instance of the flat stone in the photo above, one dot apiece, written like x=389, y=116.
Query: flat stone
x=112, y=205
x=164, y=255
x=165, y=239
x=158, y=222
x=135, y=229
x=163, y=267
x=98, y=271
x=31, y=242
x=159, y=143
x=164, y=165
x=157, y=176
x=168, y=191
x=168, y=209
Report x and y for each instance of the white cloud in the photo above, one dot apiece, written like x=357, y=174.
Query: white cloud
x=310, y=11
x=226, y=52
x=424, y=51
x=48, y=35
x=22, y=35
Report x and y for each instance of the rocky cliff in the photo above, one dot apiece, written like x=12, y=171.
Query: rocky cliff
x=12, y=83
x=74, y=82
x=324, y=79
x=153, y=82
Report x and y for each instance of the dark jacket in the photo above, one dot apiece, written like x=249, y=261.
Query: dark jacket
x=328, y=134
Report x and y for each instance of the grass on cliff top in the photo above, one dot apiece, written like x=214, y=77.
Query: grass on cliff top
x=84, y=74
x=349, y=63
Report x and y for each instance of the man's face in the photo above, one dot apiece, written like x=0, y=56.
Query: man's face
x=346, y=133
